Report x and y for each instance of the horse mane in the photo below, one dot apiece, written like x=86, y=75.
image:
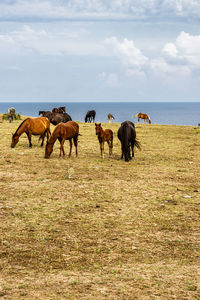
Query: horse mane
x=20, y=126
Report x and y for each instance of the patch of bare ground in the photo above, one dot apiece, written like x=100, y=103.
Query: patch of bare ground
x=114, y=230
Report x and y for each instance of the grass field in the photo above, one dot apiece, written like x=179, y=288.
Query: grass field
x=112, y=230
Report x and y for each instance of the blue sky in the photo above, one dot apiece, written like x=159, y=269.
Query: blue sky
x=99, y=50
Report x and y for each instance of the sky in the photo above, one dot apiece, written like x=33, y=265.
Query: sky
x=99, y=50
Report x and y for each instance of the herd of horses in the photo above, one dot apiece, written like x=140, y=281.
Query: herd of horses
x=66, y=129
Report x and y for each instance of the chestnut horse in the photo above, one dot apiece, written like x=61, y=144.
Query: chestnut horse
x=104, y=136
x=62, y=132
x=143, y=116
x=37, y=126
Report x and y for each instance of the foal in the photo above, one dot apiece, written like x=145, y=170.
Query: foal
x=104, y=136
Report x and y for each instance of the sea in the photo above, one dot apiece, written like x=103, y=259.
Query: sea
x=166, y=113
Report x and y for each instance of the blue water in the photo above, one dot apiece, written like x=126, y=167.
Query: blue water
x=176, y=113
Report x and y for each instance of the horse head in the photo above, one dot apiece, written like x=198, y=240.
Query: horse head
x=48, y=149
x=98, y=128
x=15, y=140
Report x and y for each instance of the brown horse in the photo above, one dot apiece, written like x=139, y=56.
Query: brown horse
x=143, y=116
x=62, y=132
x=37, y=126
x=104, y=136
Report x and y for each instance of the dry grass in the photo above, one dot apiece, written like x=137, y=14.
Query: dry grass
x=115, y=230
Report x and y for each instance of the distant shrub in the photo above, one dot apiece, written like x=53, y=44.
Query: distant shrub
x=5, y=116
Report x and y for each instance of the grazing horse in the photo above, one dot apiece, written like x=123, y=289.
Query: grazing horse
x=62, y=132
x=56, y=118
x=127, y=136
x=59, y=110
x=142, y=116
x=37, y=126
x=11, y=114
x=90, y=116
x=110, y=118
x=104, y=136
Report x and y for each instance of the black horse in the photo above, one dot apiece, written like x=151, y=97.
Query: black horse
x=127, y=136
x=56, y=118
x=90, y=116
x=60, y=110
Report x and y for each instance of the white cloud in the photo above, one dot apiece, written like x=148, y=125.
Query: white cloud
x=100, y=9
x=170, y=50
x=127, y=52
x=181, y=58
x=111, y=79
x=65, y=42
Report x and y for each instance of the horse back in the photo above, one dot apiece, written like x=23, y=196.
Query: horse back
x=126, y=132
x=108, y=134
x=74, y=124
x=65, y=130
x=38, y=125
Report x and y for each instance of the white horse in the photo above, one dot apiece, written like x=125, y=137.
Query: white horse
x=11, y=114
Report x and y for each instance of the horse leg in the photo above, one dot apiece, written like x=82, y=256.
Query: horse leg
x=76, y=144
x=70, y=149
x=62, y=148
x=110, y=145
x=102, y=149
x=129, y=153
x=29, y=139
x=48, y=133
x=42, y=137
x=132, y=147
x=122, y=155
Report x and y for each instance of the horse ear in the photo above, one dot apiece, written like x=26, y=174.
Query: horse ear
x=95, y=124
x=100, y=124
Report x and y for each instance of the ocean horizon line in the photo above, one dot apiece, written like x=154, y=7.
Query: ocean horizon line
x=110, y=102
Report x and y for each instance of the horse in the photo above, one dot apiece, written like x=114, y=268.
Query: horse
x=143, y=116
x=56, y=118
x=11, y=114
x=90, y=116
x=127, y=136
x=37, y=126
x=104, y=136
x=110, y=118
x=62, y=132
x=60, y=110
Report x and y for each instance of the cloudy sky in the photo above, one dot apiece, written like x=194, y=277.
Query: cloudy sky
x=99, y=50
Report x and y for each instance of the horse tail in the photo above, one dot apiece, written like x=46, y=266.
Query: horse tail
x=149, y=119
x=137, y=144
x=135, y=116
